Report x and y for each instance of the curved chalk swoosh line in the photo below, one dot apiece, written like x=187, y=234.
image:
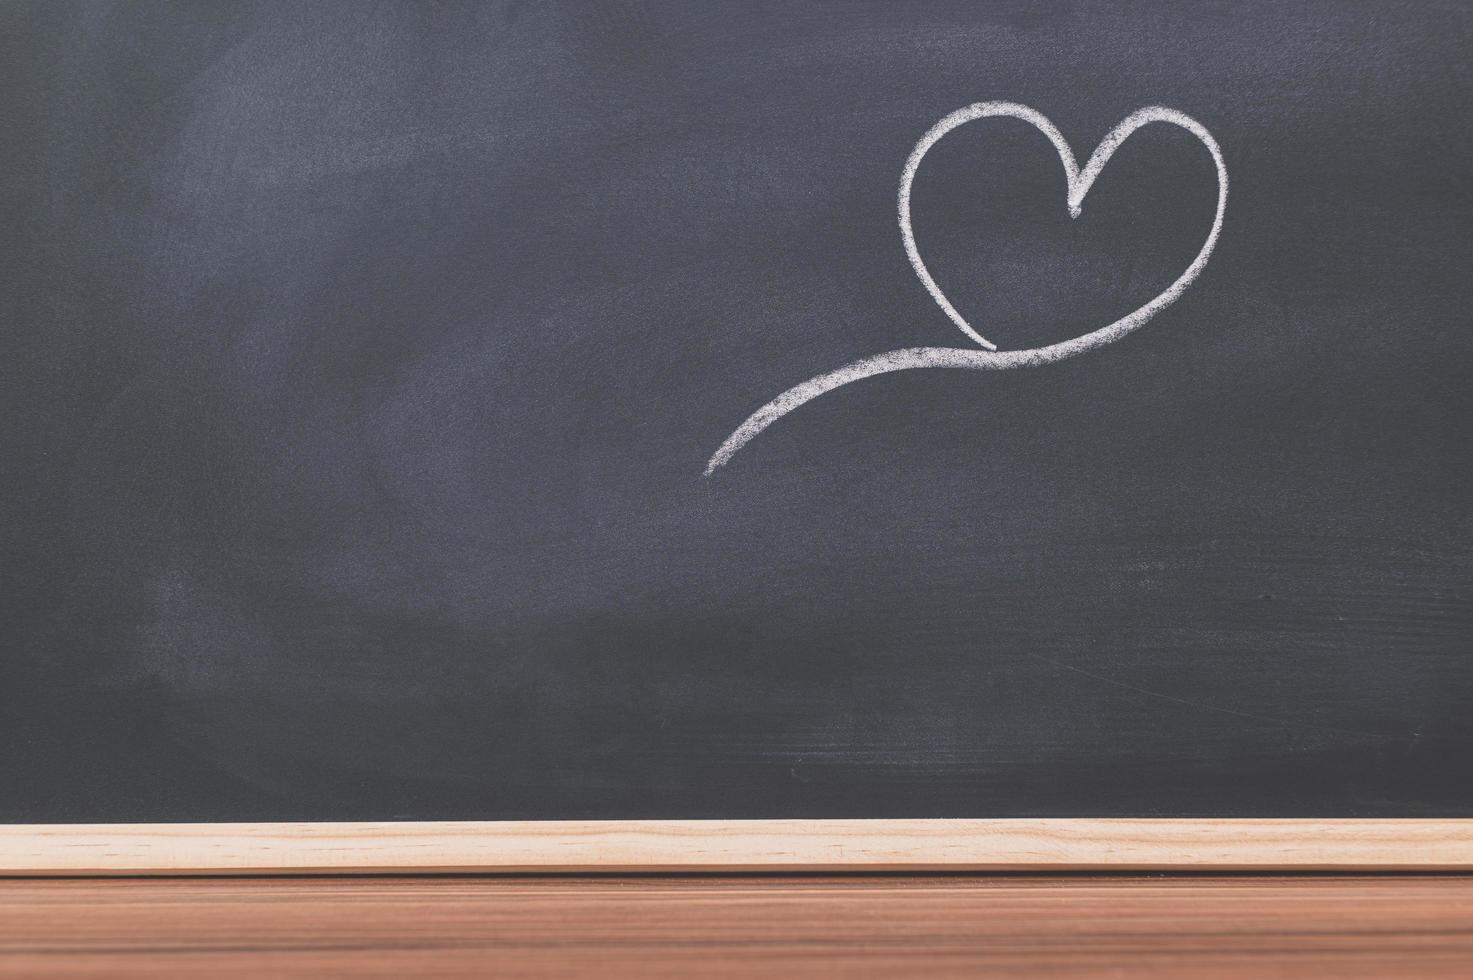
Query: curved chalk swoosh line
x=1079, y=183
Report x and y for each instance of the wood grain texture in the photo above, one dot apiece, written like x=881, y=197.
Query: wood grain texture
x=739, y=845
x=947, y=926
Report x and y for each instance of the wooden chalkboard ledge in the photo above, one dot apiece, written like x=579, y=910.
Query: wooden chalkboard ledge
x=739, y=845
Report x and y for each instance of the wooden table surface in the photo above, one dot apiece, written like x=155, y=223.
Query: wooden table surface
x=739, y=926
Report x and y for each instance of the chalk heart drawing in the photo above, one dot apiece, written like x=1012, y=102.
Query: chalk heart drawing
x=989, y=358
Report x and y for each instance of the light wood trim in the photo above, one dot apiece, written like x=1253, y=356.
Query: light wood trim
x=737, y=845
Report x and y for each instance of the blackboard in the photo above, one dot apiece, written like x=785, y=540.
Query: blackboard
x=363, y=364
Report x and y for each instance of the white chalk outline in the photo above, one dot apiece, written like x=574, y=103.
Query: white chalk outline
x=991, y=359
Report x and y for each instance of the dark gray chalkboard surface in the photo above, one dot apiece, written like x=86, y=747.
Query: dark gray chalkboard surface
x=360, y=366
